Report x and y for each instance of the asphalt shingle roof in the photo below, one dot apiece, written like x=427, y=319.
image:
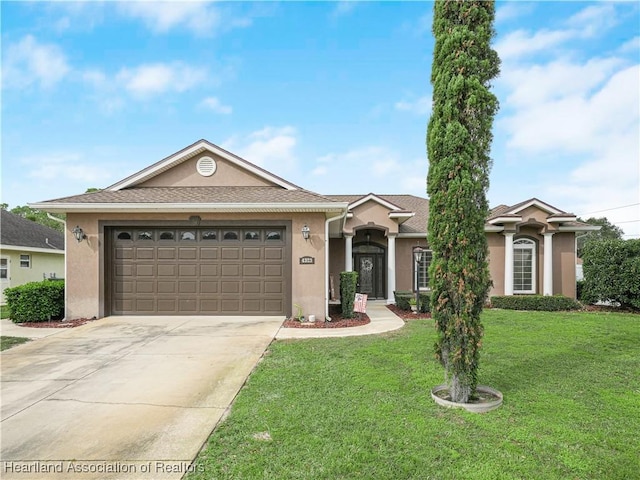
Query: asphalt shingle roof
x=19, y=232
x=214, y=194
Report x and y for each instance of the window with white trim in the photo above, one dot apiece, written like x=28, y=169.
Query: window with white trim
x=4, y=268
x=25, y=261
x=421, y=266
x=524, y=266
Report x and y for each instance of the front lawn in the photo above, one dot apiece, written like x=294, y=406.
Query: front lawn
x=360, y=407
x=4, y=311
x=8, y=342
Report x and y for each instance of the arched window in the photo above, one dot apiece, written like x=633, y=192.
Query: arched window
x=524, y=266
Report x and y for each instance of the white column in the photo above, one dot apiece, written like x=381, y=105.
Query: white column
x=547, y=279
x=348, y=253
x=391, y=268
x=508, y=263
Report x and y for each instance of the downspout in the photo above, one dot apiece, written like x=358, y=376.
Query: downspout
x=326, y=260
x=64, y=237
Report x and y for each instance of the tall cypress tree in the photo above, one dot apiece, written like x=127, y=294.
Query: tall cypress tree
x=458, y=146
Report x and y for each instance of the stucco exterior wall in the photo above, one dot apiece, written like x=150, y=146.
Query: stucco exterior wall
x=86, y=260
x=186, y=175
x=496, y=262
x=404, y=261
x=336, y=263
x=564, y=264
x=370, y=214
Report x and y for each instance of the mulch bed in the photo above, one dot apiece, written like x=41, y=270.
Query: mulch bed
x=337, y=320
x=408, y=314
x=57, y=323
x=361, y=319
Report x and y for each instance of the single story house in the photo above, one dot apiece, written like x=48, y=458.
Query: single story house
x=29, y=251
x=205, y=232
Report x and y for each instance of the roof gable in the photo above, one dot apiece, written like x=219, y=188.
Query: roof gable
x=18, y=231
x=373, y=198
x=533, y=202
x=170, y=171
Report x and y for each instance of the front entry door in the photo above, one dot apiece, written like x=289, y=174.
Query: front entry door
x=370, y=268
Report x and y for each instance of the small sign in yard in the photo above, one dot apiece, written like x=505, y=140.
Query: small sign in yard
x=360, y=303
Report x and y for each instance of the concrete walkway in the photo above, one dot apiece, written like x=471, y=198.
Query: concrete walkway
x=382, y=320
x=10, y=329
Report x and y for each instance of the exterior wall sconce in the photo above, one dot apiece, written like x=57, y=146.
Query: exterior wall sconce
x=305, y=232
x=78, y=233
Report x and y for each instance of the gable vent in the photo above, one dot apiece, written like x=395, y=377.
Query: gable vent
x=206, y=166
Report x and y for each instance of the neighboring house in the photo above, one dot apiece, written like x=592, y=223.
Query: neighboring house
x=204, y=232
x=30, y=251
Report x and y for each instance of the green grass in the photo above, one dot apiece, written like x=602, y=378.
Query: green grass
x=360, y=408
x=8, y=342
x=4, y=311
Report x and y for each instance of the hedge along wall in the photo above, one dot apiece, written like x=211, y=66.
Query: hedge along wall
x=535, y=302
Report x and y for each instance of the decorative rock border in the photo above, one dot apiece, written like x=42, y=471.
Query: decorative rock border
x=477, y=407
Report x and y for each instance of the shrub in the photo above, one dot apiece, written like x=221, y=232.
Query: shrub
x=579, y=289
x=348, y=282
x=544, y=303
x=403, y=298
x=425, y=302
x=36, y=301
x=612, y=272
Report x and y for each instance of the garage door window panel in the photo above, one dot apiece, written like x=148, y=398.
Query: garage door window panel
x=210, y=235
x=145, y=235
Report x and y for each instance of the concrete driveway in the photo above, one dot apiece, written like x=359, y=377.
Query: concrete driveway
x=123, y=397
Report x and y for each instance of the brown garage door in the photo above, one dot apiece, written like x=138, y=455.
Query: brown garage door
x=187, y=271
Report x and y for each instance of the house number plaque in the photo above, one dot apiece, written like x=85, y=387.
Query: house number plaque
x=307, y=260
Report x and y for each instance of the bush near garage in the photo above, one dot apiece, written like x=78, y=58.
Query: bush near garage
x=36, y=301
x=543, y=303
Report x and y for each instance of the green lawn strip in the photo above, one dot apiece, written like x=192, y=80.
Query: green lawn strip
x=5, y=312
x=8, y=342
x=360, y=407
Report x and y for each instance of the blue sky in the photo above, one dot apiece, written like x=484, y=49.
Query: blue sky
x=333, y=96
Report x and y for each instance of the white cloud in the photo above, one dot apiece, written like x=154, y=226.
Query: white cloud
x=272, y=148
x=533, y=84
x=65, y=167
x=594, y=20
x=344, y=7
x=578, y=121
x=29, y=62
x=201, y=18
x=587, y=23
x=420, y=106
x=152, y=79
x=511, y=10
x=631, y=46
x=214, y=104
x=521, y=42
x=367, y=169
